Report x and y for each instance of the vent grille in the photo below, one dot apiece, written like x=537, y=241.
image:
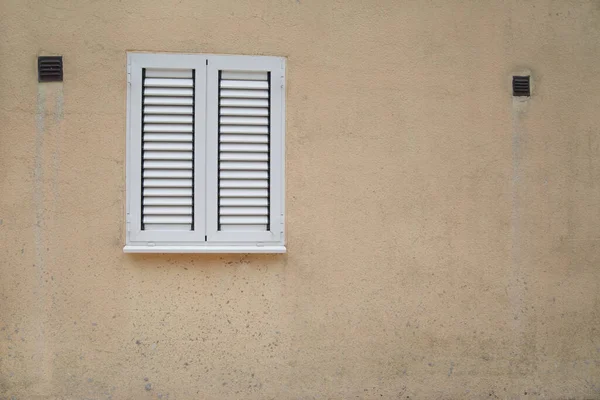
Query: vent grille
x=244, y=137
x=521, y=86
x=50, y=69
x=168, y=149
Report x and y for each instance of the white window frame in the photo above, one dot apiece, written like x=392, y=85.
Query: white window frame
x=205, y=238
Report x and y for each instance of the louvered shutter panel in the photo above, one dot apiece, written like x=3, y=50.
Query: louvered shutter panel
x=245, y=152
x=166, y=178
x=168, y=144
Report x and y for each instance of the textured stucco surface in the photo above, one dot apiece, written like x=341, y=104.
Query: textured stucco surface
x=443, y=240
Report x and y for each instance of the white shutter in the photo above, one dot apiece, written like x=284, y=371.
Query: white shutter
x=245, y=149
x=167, y=152
x=166, y=133
x=205, y=153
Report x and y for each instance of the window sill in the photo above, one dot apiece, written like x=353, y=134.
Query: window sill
x=204, y=249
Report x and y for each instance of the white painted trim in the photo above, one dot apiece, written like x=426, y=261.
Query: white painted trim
x=204, y=249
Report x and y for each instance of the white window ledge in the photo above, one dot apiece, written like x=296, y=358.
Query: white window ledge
x=204, y=249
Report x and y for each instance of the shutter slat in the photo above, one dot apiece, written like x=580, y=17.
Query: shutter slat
x=244, y=202
x=172, y=146
x=167, y=201
x=243, y=228
x=168, y=110
x=168, y=173
x=169, y=73
x=244, y=193
x=168, y=128
x=168, y=192
x=168, y=119
x=168, y=142
x=244, y=210
x=168, y=219
x=168, y=83
x=168, y=137
x=244, y=156
x=169, y=101
x=251, y=130
x=245, y=75
x=243, y=174
x=160, y=164
x=168, y=92
x=244, y=166
x=170, y=210
x=243, y=84
x=245, y=147
x=167, y=155
x=244, y=183
x=245, y=94
x=169, y=183
x=243, y=220
x=232, y=138
x=255, y=112
x=232, y=102
x=244, y=121
x=167, y=227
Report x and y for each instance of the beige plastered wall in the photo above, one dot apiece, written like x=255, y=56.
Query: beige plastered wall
x=443, y=238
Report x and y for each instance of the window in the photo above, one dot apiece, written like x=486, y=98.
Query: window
x=205, y=153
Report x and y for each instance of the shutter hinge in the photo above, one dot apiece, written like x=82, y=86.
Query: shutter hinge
x=129, y=73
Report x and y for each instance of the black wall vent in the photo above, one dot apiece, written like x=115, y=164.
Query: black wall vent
x=50, y=69
x=521, y=86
